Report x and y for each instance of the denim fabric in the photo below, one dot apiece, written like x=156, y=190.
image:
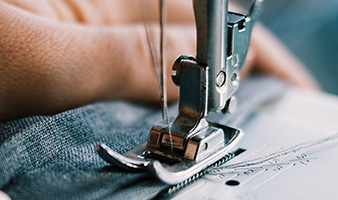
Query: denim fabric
x=54, y=157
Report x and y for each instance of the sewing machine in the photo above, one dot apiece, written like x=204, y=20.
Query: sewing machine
x=181, y=149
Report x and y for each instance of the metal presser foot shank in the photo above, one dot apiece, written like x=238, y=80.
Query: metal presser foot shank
x=190, y=143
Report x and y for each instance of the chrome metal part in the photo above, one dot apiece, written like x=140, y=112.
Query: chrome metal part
x=177, y=151
x=174, y=188
x=207, y=82
x=170, y=169
x=231, y=105
x=183, y=170
x=130, y=163
x=209, y=138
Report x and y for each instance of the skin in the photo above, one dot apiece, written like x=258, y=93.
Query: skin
x=60, y=54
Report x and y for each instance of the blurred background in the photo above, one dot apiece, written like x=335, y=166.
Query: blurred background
x=309, y=28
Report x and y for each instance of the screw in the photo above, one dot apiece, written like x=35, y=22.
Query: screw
x=234, y=79
x=220, y=79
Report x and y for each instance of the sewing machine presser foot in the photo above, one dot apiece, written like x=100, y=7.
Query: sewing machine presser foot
x=204, y=148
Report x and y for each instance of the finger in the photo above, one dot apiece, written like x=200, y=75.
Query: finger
x=102, y=12
x=38, y=7
x=47, y=67
x=106, y=12
x=52, y=67
x=273, y=58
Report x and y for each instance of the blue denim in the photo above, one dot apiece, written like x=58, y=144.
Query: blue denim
x=54, y=157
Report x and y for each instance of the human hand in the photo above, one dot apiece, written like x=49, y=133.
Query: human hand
x=57, y=55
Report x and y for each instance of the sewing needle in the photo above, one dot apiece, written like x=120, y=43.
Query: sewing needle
x=159, y=61
x=164, y=70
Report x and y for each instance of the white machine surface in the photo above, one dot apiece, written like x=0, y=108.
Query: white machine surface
x=291, y=153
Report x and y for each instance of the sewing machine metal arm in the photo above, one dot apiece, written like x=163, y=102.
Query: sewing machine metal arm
x=207, y=83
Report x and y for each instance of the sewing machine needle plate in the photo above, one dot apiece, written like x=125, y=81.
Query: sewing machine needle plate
x=290, y=154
